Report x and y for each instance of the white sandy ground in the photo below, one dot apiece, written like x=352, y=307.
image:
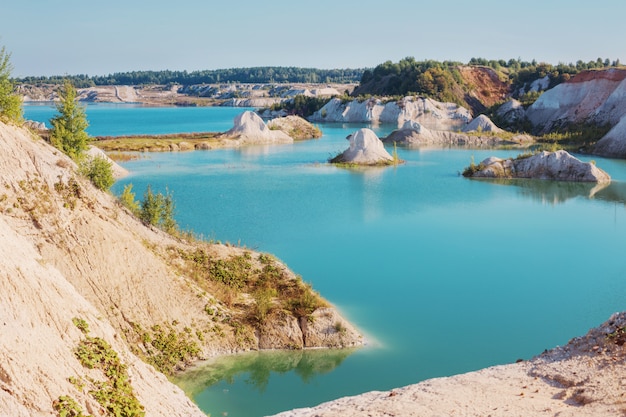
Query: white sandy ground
x=587, y=377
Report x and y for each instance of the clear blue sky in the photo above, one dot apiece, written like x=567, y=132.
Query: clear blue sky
x=67, y=37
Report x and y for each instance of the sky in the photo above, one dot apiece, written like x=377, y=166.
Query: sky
x=70, y=37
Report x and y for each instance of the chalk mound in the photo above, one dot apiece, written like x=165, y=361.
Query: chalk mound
x=365, y=149
x=414, y=134
x=482, y=124
x=557, y=166
x=250, y=129
x=296, y=127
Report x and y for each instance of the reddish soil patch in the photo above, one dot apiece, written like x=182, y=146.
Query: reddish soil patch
x=612, y=74
x=487, y=87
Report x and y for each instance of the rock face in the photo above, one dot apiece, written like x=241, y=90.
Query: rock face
x=613, y=144
x=296, y=127
x=71, y=251
x=250, y=129
x=557, y=166
x=597, y=97
x=413, y=134
x=481, y=123
x=365, y=149
x=582, y=379
x=430, y=113
x=511, y=111
x=591, y=96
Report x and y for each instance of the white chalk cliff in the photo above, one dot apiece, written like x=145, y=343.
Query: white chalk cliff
x=590, y=97
x=365, y=149
x=428, y=112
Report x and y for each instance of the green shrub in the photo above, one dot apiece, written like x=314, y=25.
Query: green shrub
x=127, y=198
x=99, y=172
x=158, y=210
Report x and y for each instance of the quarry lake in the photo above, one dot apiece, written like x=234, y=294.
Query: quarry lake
x=442, y=274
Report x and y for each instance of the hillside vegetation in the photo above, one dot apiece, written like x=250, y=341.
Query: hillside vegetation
x=76, y=259
x=477, y=85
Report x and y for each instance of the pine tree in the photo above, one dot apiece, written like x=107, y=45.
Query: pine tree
x=10, y=102
x=68, y=127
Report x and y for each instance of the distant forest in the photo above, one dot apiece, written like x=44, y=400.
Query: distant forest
x=256, y=75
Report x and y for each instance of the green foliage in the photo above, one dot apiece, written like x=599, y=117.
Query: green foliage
x=473, y=168
x=10, y=102
x=573, y=136
x=115, y=394
x=409, y=77
x=302, y=105
x=99, y=172
x=81, y=325
x=263, y=303
x=66, y=406
x=234, y=271
x=127, y=198
x=68, y=127
x=302, y=300
x=158, y=210
x=167, y=348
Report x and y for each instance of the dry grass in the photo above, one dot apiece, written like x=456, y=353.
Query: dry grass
x=143, y=143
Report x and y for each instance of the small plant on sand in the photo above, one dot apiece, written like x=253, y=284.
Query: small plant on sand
x=473, y=168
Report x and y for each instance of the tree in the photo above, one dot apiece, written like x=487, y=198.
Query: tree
x=158, y=210
x=68, y=127
x=10, y=102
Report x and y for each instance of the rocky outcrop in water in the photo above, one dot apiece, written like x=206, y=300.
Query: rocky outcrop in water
x=413, y=134
x=295, y=127
x=365, y=149
x=428, y=112
x=250, y=129
x=557, y=166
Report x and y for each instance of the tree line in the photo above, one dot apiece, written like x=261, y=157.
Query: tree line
x=254, y=75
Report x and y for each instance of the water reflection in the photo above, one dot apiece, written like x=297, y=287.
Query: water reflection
x=258, y=367
x=558, y=192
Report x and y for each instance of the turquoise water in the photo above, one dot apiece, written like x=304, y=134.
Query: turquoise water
x=443, y=274
x=134, y=119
